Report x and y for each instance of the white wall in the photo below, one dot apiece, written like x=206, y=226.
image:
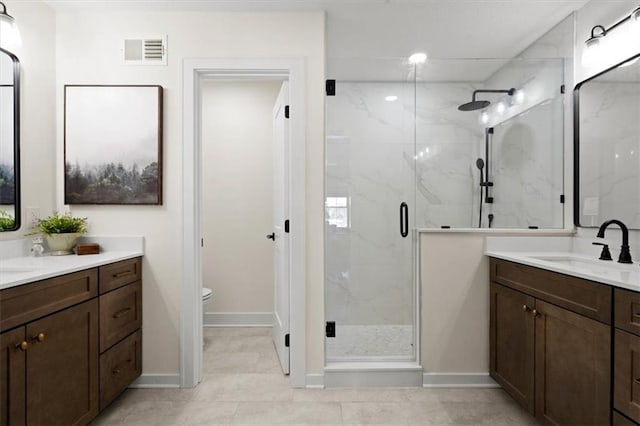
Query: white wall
x=37, y=25
x=88, y=52
x=237, y=154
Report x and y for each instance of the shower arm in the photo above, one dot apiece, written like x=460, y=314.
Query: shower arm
x=510, y=92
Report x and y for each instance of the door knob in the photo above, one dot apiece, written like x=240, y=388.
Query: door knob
x=271, y=236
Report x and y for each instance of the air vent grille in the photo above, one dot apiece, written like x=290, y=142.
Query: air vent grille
x=145, y=51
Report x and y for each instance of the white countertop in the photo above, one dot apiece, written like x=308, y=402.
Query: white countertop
x=18, y=270
x=562, y=259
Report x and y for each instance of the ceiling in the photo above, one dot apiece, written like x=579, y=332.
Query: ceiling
x=390, y=30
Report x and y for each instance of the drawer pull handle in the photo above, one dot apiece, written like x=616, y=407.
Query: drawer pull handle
x=120, y=313
x=23, y=346
x=39, y=337
x=121, y=274
x=118, y=370
x=636, y=314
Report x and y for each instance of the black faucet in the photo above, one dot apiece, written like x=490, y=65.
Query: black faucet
x=625, y=255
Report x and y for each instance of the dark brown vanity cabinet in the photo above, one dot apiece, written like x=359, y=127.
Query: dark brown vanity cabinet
x=52, y=368
x=550, y=343
x=626, y=367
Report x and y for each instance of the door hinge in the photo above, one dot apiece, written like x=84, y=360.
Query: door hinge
x=286, y=340
x=330, y=87
x=562, y=89
x=286, y=111
x=330, y=329
x=562, y=198
x=286, y=226
x=201, y=242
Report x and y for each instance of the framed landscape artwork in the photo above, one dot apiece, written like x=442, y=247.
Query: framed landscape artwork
x=113, y=144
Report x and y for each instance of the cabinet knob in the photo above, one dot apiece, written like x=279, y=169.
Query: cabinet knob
x=23, y=346
x=534, y=313
x=525, y=308
x=39, y=337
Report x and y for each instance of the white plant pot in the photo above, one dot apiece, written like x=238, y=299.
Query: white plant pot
x=61, y=244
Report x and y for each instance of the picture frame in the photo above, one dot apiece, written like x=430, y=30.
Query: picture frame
x=113, y=144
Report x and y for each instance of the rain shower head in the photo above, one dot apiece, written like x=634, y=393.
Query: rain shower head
x=476, y=105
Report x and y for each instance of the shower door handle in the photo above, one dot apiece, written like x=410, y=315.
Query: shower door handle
x=404, y=219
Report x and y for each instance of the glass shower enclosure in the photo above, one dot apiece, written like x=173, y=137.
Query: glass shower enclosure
x=402, y=155
x=370, y=219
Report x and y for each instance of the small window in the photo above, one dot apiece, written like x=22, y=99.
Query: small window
x=337, y=211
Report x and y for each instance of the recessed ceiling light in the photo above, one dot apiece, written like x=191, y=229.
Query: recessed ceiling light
x=418, y=58
x=391, y=98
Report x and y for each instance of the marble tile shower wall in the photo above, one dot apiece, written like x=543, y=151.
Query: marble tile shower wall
x=527, y=169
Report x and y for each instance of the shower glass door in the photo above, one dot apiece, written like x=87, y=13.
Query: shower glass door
x=370, y=291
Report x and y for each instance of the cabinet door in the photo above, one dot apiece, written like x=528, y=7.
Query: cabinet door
x=626, y=387
x=62, y=369
x=573, y=378
x=12, y=369
x=511, y=343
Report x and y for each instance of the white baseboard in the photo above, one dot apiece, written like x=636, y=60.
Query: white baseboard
x=157, y=381
x=458, y=380
x=373, y=374
x=238, y=319
x=315, y=381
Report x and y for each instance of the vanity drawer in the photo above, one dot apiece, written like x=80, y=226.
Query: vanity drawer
x=21, y=304
x=119, y=366
x=627, y=310
x=120, y=314
x=119, y=274
x=584, y=297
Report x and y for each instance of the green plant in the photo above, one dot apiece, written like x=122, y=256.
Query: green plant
x=7, y=222
x=62, y=224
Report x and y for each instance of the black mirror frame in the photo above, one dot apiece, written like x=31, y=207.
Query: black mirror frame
x=16, y=139
x=576, y=138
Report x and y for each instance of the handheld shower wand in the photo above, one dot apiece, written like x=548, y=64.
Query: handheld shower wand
x=480, y=166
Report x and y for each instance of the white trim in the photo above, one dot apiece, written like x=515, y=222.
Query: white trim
x=458, y=380
x=238, y=319
x=156, y=381
x=315, y=381
x=373, y=374
x=194, y=70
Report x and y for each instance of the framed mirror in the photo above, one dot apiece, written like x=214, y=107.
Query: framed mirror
x=607, y=146
x=9, y=141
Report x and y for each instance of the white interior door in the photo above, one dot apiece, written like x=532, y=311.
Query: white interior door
x=280, y=235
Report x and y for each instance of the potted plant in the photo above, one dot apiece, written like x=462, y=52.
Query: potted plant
x=7, y=222
x=62, y=232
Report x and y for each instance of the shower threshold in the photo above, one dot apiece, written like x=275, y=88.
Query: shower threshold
x=373, y=373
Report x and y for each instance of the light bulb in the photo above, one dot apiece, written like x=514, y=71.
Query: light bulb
x=9, y=33
x=593, y=50
x=391, y=98
x=518, y=97
x=418, y=58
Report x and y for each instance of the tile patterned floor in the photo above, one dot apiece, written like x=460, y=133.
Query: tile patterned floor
x=243, y=385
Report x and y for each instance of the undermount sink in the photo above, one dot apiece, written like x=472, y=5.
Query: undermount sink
x=585, y=263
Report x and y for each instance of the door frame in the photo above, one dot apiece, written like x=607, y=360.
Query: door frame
x=194, y=72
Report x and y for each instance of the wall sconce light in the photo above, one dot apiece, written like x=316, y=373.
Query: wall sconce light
x=9, y=34
x=593, y=51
